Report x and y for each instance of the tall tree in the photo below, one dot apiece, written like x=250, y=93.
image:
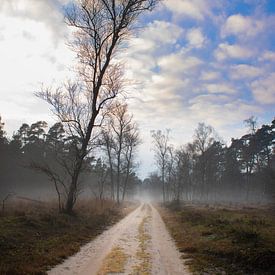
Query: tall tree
x=204, y=138
x=161, y=149
x=100, y=26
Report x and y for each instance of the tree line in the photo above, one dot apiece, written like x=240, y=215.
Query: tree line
x=206, y=170
x=37, y=155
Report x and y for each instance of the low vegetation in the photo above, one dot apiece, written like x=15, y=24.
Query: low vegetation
x=114, y=262
x=144, y=267
x=35, y=238
x=223, y=241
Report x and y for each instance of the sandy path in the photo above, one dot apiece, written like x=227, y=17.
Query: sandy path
x=143, y=238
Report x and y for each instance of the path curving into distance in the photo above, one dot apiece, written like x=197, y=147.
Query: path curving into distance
x=138, y=244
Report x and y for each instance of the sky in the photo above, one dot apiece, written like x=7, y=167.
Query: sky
x=192, y=61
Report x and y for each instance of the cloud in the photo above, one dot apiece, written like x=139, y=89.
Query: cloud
x=220, y=88
x=144, y=49
x=244, y=71
x=162, y=32
x=195, y=38
x=43, y=11
x=33, y=51
x=267, y=56
x=263, y=90
x=179, y=63
x=240, y=25
x=220, y=111
x=195, y=9
x=156, y=35
x=227, y=51
x=210, y=75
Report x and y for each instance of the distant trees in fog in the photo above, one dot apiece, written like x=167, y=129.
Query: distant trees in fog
x=35, y=156
x=206, y=170
x=119, y=139
x=162, y=150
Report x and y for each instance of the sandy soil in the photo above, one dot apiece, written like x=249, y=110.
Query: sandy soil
x=141, y=236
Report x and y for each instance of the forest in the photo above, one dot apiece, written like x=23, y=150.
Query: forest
x=207, y=171
x=38, y=161
x=39, y=158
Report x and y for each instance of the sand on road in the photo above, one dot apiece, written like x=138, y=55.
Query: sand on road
x=138, y=244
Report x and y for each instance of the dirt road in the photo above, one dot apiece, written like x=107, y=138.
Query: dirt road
x=138, y=244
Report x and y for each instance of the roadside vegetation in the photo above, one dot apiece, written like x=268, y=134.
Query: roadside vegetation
x=223, y=241
x=34, y=238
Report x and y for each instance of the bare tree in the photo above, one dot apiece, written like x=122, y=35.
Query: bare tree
x=120, y=138
x=107, y=143
x=99, y=180
x=100, y=26
x=54, y=177
x=251, y=123
x=58, y=162
x=161, y=148
x=204, y=137
x=132, y=140
x=182, y=167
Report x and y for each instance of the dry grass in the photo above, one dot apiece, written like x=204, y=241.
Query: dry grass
x=221, y=241
x=36, y=237
x=114, y=262
x=145, y=265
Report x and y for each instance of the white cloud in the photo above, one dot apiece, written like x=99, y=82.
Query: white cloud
x=210, y=75
x=240, y=25
x=155, y=36
x=244, y=71
x=162, y=32
x=43, y=11
x=196, y=9
x=263, y=90
x=179, y=63
x=220, y=88
x=141, y=44
x=141, y=56
x=267, y=56
x=195, y=38
x=33, y=51
x=221, y=111
x=225, y=51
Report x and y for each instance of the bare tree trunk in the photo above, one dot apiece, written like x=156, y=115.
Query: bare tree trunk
x=111, y=171
x=127, y=173
x=163, y=183
x=118, y=187
x=60, y=206
x=125, y=185
x=72, y=191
